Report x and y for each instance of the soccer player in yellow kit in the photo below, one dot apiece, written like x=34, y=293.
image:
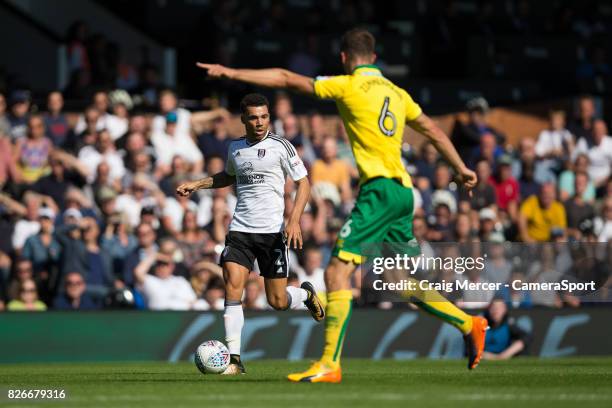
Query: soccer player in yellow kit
x=374, y=112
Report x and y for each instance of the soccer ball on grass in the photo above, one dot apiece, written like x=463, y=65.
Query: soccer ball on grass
x=212, y=357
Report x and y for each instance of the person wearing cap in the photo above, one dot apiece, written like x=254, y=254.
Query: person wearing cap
x=466, y=136
x=539, y=214
x=444, y=207
x=18, y=117
x=43, y=249
x=170, y=143
x=487, y=218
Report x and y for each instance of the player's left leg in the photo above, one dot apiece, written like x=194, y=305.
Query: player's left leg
x=473, y=328
x=271, y=252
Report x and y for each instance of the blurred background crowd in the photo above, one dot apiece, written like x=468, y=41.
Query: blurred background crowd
x=87, y=173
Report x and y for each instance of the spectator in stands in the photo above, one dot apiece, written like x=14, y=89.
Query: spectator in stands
x=115, y=126
x=179, y=172
x=29, y=225
x=191, y=239
x=527, y=184
x=330, y=169
x=56, y=122
x=318, y=133
x=599, y=151
x=292, y=131
x=440, y=224
x=253, y=299
x=603, y=223
x=556, y=143
x=75, y=296
x=313, y=269
x=145, y=234
x=505, y=339
x=506, y=187
x=463, y=229
x=443, y=181
x=427, y=161
x=98, y=274
x=103, y=151
x=8, y=165
x=217, y=142
x=201, y=274
x=527, y=157
x=576, y=209
x=33, y=151
x=214, y=295
x=487, y=149
x=42, y=249
x=77, y=52
x=466, y=137
x=22, y=271
x=19, y=115
x=163, y=290
x=283, y=108
x=582, y=126
x=567, y=180
x=540, y=214
x=5, y=124
x=27, y=299
x=169, y=143
x=168, y=102
x=488, y=221
x=66, y=172
x=484, y=194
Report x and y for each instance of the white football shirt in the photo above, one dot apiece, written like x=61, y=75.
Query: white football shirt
x=261, y=169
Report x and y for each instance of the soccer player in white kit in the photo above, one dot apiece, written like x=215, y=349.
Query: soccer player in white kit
x=258, y=164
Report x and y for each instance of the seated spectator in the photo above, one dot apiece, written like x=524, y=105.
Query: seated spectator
x=474, y=298
x=173, y=212
x=463, y=231
x=19, y=114
x=527, y=184
x=582, y=125
x=505, y=339
x=191, y=239
x=43, y=250
x=527, y=157
x=201, y=274
x=484, y=194
x=5, y=125
x=22, y=271
x=292, y=131
x=143, y=193
x=168, y=143
x=567, y=180
x=55, y=120
x=214, y=295
x=168, y=102
x=603, y=223
x=427, y=161
x=33, y=151
x=577, y=210
x=118, y=240
x=161, y=289
x=145, y=234
x=556, y=143
x=599, y=152
x=75, y=296
x=66, y=172
x=506, y=187
x=283, y=108
x=216, y=143
x=99, y=274
x=487, y=149
x=440, y=223
x=8, y=165
x=27, y=299
x=519, y=299
x=466, y=137
x=29, y=224
x=332, y=170
x=103, y=151
x=488, y=221
x=115, y=126
x=253, y=296
x=313, y=271
x=179, y=173
x=135, y=144
x=539, y=214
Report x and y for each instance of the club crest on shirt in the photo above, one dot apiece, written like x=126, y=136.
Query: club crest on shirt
x=261, y=153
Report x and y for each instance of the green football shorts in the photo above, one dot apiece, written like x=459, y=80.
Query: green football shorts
x=382, y=214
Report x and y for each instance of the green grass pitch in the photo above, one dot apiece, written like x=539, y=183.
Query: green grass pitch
x=527, y=382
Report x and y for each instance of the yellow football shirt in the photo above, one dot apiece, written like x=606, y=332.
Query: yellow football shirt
x=374, y=112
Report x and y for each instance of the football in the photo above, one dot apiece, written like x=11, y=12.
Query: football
x=212, y=357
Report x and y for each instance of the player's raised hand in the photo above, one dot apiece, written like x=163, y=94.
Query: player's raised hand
x=186, y=189
x=294, y=234
x=216, y=70
x=468, y=178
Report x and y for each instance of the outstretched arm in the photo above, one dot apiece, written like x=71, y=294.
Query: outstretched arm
x=219, y=180
x=425, y=126
x=269, y=77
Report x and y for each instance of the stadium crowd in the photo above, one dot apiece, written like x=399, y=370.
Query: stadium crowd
x=89, y=218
